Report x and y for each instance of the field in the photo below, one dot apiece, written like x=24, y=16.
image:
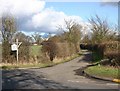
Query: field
x=35, y=50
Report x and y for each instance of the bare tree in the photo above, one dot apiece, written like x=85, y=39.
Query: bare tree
x=73, y=35
x=37, y=38
x=100, y=29
x=24, y=48
x=86, y=39
x=8, y=30
x=0, y=29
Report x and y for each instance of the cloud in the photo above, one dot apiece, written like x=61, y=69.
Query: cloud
x=46, y=20
x=109, y=2
x=49, y=19
x=21, y=8
x=32, y=16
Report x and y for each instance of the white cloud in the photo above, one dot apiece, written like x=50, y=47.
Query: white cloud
x=49, y=19
x=21, y=7
x=109, y=0
x=46, y=20
x=33, y=17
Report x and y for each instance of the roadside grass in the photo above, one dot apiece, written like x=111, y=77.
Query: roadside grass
x=67, y=59
x=104, y=71
x=39, y=65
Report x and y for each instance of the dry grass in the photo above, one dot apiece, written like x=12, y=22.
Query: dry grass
x=40, y=65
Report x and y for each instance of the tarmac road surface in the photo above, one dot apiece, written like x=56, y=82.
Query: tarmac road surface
x=62, y=76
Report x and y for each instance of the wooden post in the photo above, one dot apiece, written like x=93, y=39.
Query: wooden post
x=17, y=50
x=14, y=47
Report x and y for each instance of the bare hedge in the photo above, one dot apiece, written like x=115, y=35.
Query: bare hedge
x=57, y=49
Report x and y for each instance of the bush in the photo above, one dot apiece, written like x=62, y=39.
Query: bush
x=65, y=50
x=96, y=48
x=57, y=49
x=24, y=52
x=49, y=48
x=114, y=56
x=7, y=56
x=111, y=52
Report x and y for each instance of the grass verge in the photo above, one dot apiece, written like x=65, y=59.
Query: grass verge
x=40, y=65
x=104, y=71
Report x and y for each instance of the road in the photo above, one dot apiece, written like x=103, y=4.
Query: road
x=62, y=76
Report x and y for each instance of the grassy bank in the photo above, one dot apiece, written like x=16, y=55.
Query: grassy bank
x=40, y=65
x=104, y=71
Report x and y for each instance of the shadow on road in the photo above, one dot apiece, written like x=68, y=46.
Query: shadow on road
x=22, y=79
x=87, y=57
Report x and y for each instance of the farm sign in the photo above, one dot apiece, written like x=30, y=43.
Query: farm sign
x=14, y=47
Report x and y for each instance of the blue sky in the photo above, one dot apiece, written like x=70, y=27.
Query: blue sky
x=86, y=9
x=44, y=17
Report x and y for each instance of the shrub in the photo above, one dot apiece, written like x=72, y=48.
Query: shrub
x=24, y=52
x=114, y=56
x=65, y=50
x=6, y=52
x=111, y=52
x=49, y=48
x=57, y=49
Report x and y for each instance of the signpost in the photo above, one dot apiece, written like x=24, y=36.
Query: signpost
x=15, y=46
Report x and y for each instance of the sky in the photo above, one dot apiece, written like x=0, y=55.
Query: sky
x=45, y=17
x=85, y=9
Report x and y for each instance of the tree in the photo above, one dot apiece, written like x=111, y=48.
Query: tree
x=86, y=39
x=24, y=48
x=8, y=30
x=73, y=35
x=37, y=38
x=22, y=37
x=0, y=29
x=100, y=29
x=106, y=38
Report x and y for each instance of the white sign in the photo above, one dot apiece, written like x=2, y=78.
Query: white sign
x=14, y=47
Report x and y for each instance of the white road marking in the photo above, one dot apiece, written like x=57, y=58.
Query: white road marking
x=44, y=78
x=111, y=84
x=77, y=81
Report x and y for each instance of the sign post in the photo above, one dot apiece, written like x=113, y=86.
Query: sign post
x=15, y=47
x=17, y=50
